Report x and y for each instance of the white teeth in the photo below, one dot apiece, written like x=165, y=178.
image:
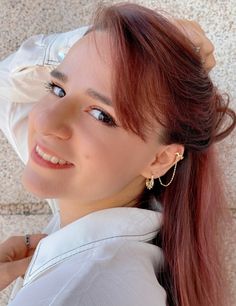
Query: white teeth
x=62, y=162
x=52, y=159
x=46, y=156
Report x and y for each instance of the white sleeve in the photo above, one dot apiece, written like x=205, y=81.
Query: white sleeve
x=23, y=73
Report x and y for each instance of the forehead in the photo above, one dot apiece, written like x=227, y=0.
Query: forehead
x=89, y=62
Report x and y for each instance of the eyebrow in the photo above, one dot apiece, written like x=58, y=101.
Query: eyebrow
x=59, y=75
x=98, y=96
x=90, y=92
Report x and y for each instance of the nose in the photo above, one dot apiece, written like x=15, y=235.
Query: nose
x=53, y=119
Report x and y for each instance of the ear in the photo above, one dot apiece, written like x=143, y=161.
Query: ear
x=164, y=159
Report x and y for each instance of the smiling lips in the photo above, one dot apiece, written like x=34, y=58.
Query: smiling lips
x=47, y=160
x=51, y=158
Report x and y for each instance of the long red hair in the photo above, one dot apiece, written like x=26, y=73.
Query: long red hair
x=158, y=76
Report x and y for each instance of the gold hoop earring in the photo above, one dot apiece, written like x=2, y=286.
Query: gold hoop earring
x=150, y=183
x=177, y=156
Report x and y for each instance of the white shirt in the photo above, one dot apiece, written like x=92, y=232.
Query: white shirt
x=105, y=258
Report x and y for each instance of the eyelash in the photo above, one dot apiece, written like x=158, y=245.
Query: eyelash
x=50, y=86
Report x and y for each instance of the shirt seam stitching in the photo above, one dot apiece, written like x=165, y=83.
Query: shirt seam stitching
x=113, y=237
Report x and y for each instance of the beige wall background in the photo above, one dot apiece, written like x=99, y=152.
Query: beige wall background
x=20, y=212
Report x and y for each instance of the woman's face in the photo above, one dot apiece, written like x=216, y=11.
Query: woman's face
x=74, y=122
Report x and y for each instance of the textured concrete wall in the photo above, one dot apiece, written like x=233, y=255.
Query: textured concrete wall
x=20, y=19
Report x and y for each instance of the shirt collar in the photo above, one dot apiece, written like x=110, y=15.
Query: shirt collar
x=91, y=230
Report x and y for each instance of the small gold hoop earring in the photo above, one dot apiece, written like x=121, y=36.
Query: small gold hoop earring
x=150, y=182
x=173, y=175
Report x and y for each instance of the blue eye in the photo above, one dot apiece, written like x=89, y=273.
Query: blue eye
x=96, y=112
x=102, y=116
x=54, y=89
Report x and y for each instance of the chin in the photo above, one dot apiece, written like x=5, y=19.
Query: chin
x=38, y=188
x=31, y=188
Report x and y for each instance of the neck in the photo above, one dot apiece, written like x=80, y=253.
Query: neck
x=71, y=210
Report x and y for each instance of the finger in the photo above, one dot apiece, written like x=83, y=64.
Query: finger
x=196, y=34
x=30, y=252
x=35, y=238
x=209, y=63
x=202, y=45
x=206, y=47
x=189, y=29
x=14, y=248
x=11, y=270
x=197, y=26
x=19, y=267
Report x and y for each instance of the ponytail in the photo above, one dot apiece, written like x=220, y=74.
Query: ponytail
x=158, y=77
x=190, y=235
x=195, y=216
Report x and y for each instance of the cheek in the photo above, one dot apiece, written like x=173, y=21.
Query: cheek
x=111, y=155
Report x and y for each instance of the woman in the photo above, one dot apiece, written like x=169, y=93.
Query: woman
x=131, y=100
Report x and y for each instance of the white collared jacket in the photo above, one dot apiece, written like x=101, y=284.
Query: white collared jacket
x=106, y=258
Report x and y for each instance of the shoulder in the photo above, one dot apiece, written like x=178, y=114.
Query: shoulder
x=116, y=272
x=125, y=276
